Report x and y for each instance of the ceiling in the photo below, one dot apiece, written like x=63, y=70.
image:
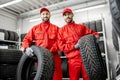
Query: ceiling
x=26, y=6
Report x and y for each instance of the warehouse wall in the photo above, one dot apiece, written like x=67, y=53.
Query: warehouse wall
x=8, y=21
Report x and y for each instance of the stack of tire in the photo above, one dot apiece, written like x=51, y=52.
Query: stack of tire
x=9, y=36
x=115, y=11
x=97, y=26
x=9, y=59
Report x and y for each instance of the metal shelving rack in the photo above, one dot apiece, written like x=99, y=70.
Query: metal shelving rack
x=106, y=52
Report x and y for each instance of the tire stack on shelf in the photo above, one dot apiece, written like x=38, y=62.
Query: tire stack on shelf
x=10, y=35
x=115, y=11
x=10, y=39
x=9, y=55
x=9, y=59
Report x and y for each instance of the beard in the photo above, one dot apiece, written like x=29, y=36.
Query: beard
x=68, y=20
x=45, y=19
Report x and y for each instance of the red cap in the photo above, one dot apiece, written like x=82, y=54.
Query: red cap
x=44, y=9
x=67, y=10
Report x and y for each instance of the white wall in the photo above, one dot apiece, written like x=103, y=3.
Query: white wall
x=8, y=21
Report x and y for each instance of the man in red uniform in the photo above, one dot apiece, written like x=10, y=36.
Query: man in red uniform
x=44, y=35
x=68, y=39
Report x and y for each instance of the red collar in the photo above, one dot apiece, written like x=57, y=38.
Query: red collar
x=46, y=23
x=71, y=23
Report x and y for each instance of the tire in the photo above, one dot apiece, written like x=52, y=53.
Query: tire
x=92, y=58
x=116, y=27
x=45, y=68
x=115, y=9
x=115, y=39
x=22, y=36
x=10, y=56
x=93, y=26
x=16, y=37
x=115, y=34
x=7, y=71
x=101, y=46
x=6, y=35
x=87, y=24
x=99, y=25
x=11, y=35
x=65, y=70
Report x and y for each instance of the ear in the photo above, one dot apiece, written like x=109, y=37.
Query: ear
x=50, y=15
x=73, y=15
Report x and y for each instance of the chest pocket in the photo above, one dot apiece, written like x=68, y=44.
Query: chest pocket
x=69, y=39
x=52, y=35
x=39, y=35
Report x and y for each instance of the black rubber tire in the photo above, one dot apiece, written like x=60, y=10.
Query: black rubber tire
x=116, y=26
x=16, y=37
x=92, y=58
x=115, y=34
x=87, y=24
x=115, y=9
x=22, y=36
x=65, y=70
x=6, y=35
x=93, y=25
x=7, y=71
x=99, y=25
x=45, y=68
x=101, y=46
x=115, y=39
x=10, y=56
x=11, y=36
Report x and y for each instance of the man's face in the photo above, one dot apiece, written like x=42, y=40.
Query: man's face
x=45, y=16
x=68, y=17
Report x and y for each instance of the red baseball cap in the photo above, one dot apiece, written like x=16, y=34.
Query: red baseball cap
x=67, y=10
x=44, y=9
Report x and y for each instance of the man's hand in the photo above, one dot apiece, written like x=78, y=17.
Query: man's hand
x=29, y=52
x=76, y=46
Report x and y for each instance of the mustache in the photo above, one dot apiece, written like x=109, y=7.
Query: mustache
x=68, y=18
x=45, y=17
